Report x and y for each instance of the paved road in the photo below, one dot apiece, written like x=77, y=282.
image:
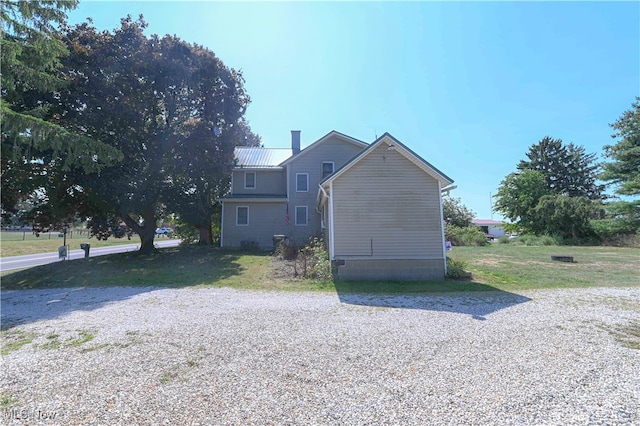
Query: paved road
x=30, y=260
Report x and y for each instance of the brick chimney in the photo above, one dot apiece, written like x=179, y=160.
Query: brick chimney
x=295, y=141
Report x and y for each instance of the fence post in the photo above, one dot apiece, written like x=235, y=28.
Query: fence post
x=24, y=235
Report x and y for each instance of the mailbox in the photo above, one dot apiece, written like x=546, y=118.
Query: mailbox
x=85, y=247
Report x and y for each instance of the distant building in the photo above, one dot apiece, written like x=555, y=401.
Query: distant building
x=490, y=227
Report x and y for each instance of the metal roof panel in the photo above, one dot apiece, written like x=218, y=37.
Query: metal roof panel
x=257, y=157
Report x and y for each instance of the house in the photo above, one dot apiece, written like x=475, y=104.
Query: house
x=379, y=206
x=273, y=191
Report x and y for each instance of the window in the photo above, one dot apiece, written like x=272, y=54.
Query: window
x=301, y=215
x=242, y=216
x=302, y=182
x=327, y=168
x=249, y=180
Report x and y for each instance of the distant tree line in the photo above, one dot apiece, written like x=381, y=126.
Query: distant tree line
x=113, y=126
x=555, y=190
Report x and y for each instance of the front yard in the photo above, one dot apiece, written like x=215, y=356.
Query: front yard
x=497, y=266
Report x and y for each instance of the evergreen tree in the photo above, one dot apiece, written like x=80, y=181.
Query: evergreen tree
x=568, y=169
x=36, y=151
x=624, y=170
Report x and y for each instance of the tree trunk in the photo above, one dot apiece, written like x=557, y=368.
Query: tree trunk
x=147, y=235
x=206, y=237
x=146, y=232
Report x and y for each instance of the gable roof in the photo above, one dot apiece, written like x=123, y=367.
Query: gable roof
x=260, y=158
x=403, y=150
x=331, y=134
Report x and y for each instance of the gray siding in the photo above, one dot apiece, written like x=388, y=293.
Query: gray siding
x=265, y=221
x=386, y=207
x=267, y=182
x=334, y=149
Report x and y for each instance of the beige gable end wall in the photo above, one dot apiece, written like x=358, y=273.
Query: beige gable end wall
x=387, y=208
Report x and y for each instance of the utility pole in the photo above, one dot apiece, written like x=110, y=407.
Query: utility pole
x=491, y=205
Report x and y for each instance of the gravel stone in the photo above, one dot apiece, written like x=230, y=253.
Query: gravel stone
x=155, y=356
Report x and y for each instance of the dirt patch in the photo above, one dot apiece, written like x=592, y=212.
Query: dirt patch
x=535, y=262
x=284, y=269
x=490, y=260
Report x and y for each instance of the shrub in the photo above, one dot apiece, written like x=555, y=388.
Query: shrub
x=536, y=240
x=456, y=269
x=629, y=240
x=316, y=260
x=611, y=229
x=285, y=251
x=469, y=236
x=311, y=261
x=547, y=240
x=503, y=239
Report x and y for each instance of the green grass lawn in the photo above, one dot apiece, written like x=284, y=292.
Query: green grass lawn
x=496, y=267
x=189, y=266
x=523, y=267
x=19, y=243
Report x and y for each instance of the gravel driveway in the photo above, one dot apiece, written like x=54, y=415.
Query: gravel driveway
x=125, y=356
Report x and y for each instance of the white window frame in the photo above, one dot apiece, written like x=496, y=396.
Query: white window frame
x=306, y=215
x=254, y=180
x=297, y=188
x=238, y=216
x=333, y=168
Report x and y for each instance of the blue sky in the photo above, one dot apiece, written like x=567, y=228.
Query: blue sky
x=469, y=86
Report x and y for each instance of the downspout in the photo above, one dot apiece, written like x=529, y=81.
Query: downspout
x=444, y=248
x=288, y=179
x=327, y=219
x=222, y=226
x=331, y=224
x=325, y=194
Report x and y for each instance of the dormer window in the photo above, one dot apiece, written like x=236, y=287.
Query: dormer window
x=249, y=180
x=327, y=168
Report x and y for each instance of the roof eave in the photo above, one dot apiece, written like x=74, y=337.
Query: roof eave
x=258, y=168
x=408, y=153
x=342, y=136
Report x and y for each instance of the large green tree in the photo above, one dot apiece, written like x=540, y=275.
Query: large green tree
x=566, y=216
x=455, y=213
x=36, y=151
x=244, y=136
x=196, y=184
x=519, y=194
x=567, y=169
x=168, y=105
x=554, y=186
